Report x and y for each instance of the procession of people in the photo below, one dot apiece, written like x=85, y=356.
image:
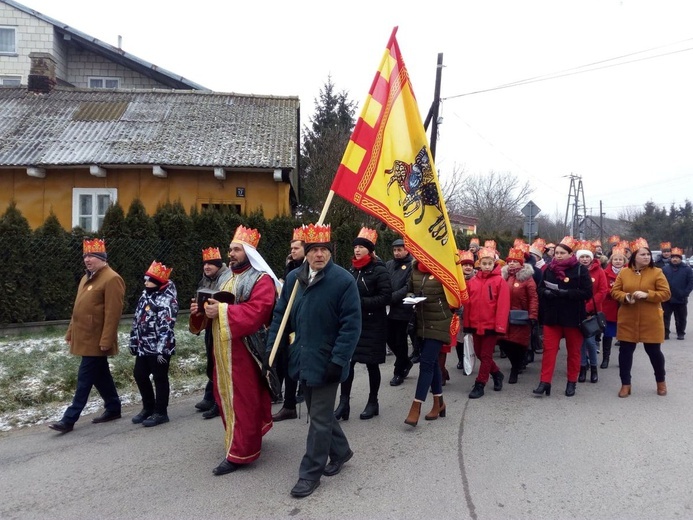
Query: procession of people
x=338, y=316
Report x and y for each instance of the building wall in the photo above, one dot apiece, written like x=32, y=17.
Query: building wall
x=36, y=198
x=84, y=64
x=33, y=35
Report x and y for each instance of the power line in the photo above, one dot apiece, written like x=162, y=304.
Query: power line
x=577, y=70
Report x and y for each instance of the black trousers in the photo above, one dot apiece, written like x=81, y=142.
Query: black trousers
x=290, y=384
x=373, y=381
x=625, y=360
x=516, y=353
x=680, y=312
x=397, y=334
x=144, y=367
x=325, y=435
x=93, y=372
x=209, y=349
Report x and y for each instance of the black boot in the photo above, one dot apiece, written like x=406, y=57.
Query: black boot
x=543, y=388
x=371, y=410
x=477, y=391
x=460, y=356
x=570, y=389
x=498, y=380
x=583, y=374
x=343, y=408
x=513, y=376
x=594, y=377
x=605, y=356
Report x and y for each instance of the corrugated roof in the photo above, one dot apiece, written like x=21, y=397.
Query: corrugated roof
x=138, y=127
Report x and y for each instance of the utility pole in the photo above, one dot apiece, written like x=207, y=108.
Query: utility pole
x=576, y=199
x=435, y=108
x=601, y=223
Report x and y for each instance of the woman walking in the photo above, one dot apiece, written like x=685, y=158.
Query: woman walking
x=562, y=294
x=640, y=289
x=375, y=291
x=610, y=306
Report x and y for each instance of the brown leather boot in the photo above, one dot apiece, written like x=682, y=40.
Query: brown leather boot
x=624, y=391
x=438, y=409
x=414, y=413
x=662, y=388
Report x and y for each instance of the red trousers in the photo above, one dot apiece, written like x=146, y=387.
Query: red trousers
x=573, y=339
x=483, y=348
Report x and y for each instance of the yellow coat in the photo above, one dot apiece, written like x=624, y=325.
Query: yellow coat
x=642, y=321
x=96, y=314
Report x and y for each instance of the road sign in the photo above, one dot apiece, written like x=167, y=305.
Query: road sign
x=531, y=209
x=531, y=229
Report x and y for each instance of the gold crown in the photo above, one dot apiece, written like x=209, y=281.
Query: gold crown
x=638, y=243
x=664, y=246
x=539, y=244
x=298, y=234
x=677, y=251
x=491, y=244
x=624, y=244
x=515, y=253
x=247, y=236
x=369, y=234
x=465, y=257
x=614, y=239
x=618, y=250
x=569, y=241
x=159, y=271
x=518, y=242
x=584, y=245
x=486, y=252
x=597, y=243
x=211, y=253
x=316, y=234
x=93, y=246
x=524, y=247
x=474, y=242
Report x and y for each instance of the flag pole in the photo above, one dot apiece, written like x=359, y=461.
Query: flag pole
x=287, y=311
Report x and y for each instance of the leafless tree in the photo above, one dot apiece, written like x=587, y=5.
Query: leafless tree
x=494, y=198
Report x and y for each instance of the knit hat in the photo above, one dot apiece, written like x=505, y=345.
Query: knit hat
x=367, y=238
x=584, y=252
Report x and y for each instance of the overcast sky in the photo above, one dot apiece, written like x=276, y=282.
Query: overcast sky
x=627, y=130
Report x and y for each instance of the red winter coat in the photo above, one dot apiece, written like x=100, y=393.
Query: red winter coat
x=523, y=295
x=599, y=287
x=610, y=306
x=489, y=303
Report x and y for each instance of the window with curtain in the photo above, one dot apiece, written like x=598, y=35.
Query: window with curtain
x=8, y=40
x=89, y=206
x=97, y=82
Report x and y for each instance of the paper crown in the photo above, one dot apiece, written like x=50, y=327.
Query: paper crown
x=491, y=244
x=638, y=243
x=539, y=244
x=524, y=247
x=665, y=246
x=159, y=271
x=313, y=234
x=96, y=245
x=515, y=253
x=550, y=245
x=247, y=236
x=677, y=251
x=568, y=241
x=465, y=257
x=584, y=245
x=618, y=251
x=624, y=244
x=614, y=239
x=298, y=234
x=369, y=234
x=486, y=252
x=518, y=242
x=474, y=242
x=597, y=243
x=211, y=253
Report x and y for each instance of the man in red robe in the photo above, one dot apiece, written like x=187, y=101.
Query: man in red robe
x=243, y=398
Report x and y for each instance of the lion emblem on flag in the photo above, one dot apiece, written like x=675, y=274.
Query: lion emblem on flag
x=417, y=183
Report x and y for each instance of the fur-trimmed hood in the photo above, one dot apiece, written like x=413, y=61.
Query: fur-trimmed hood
x=526, y=272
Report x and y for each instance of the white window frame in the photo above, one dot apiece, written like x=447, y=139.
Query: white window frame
x=103, y=80
x=13, y=81
x=14, y=31
x=94, y=192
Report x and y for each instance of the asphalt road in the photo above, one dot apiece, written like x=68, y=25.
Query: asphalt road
x=508, y=455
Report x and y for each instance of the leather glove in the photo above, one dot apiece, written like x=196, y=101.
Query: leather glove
x=161, y=359
x=333, y=373
x=563, y=293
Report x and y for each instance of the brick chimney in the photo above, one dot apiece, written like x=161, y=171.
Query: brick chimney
x=42, y=72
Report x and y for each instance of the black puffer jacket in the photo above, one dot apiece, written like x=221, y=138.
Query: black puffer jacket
x=400, y=271
x=565, y=307
x=373, y=282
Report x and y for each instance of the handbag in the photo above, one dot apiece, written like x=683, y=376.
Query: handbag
x=594, y=324
x=255, y=343
x=519, y=317
x=469, y=359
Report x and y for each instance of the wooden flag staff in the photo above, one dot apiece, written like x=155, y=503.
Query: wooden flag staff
x=290, y=304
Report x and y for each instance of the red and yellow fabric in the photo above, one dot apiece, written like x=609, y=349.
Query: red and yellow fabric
x=387, y=171
x=243, y=398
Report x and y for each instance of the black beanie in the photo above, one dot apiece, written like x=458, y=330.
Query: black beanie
x=360, y=241
x=217, y=262
x=308, y=246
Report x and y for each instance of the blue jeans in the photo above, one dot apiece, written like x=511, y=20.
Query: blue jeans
x=588, y=350
x=429, y=369
x=93, y=371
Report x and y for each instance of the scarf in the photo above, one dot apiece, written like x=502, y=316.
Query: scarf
x=616, y=270
x=559, y=267
x=362, y=262
x=422, y=268
x=512, y=271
